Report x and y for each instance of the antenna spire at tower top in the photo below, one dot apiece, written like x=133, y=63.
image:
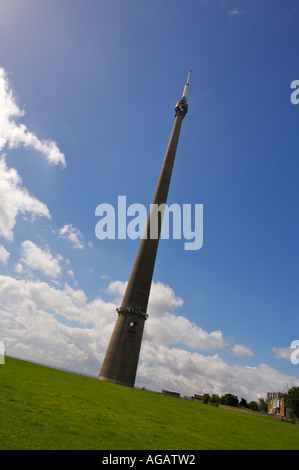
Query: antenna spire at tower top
x=186, y=86
x=181, y=108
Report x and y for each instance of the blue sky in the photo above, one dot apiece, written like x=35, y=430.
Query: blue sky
x=95, y=83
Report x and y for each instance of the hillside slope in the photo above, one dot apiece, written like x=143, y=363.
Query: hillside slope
x=45, y=408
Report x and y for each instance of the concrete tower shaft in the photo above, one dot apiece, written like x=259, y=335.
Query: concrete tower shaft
x=121, y=360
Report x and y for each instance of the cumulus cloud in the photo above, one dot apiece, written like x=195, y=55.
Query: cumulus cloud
x=54, y=326
x=165, y=327
x=14, y=134
x=61, y=327
x=117, y=288
x=40, y=260
x=283, y=352
x=191, y=372
x=241, y=350
x=15, y=200
x=162, y=297
x=4, y=255
x=170, y=329
x=19, y=268
x=73, y=235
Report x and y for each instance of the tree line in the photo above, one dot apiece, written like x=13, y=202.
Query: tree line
x=232, y=400
x=291, y=398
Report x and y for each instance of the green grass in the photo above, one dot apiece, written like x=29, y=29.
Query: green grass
x=44, y=408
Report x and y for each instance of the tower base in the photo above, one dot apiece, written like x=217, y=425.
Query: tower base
x=120, y=363
x=115, y=381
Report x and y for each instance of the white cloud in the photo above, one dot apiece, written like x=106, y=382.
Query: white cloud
x=4, y=255
x=41, y=260
x=162, y=297
x=19, y=268
x=234, y=12
x=169, y=329
x=73, y=235
x=54, y=326
x=61, y=327
x=283, y=352
x=166, y=328
x=15, y=200
x=117, y=288
x=13, y=134
x=241, y=350
x=191, y=372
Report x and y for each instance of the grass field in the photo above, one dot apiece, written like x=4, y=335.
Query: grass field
x=44, y=408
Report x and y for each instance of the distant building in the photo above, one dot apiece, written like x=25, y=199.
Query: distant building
x=170, y=394
x=276, y=405
x=197, y=397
